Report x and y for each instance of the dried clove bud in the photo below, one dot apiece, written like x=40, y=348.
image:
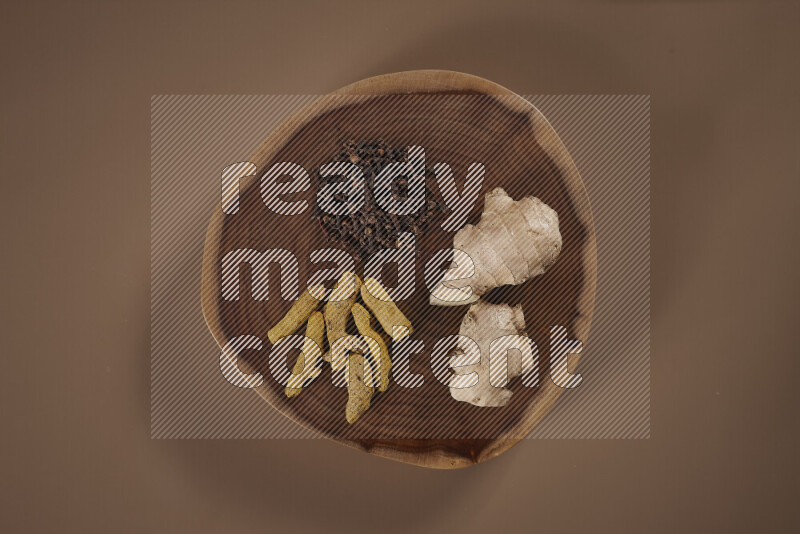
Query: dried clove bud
x=380, y=228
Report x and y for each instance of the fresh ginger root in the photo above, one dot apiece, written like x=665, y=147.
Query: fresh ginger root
x=487, y=325
x=513, y=242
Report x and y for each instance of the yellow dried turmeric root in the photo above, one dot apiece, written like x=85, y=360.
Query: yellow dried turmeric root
x=364, y=325
x=359, y=393
x=307, y=364
x=337, y=309
x=385, y=310
x=300, y=311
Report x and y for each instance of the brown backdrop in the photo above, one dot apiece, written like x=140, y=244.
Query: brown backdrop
x=77, y=81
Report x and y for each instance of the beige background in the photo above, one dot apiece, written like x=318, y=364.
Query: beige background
x=77, y=80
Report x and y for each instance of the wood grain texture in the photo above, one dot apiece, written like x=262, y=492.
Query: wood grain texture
x=526, y=157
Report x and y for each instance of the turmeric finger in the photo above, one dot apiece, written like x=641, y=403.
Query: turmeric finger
x=363, y=324
x=359, y=394
x=385, y=310
x=298, y=314
x=307, y=365
x=337, y=309
x=339, y=352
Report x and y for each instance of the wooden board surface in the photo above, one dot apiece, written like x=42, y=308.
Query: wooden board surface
x=459, y=119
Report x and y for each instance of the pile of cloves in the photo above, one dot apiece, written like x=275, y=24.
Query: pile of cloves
x=371, y=228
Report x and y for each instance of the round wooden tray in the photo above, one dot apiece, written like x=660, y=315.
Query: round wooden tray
x=459, y=119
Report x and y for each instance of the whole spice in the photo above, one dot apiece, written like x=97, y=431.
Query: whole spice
x=363, y=323
x=385, y=310
x=366, y=360
x=337, y=310
x=371, y=228
x=300, y=311
x=308, y=362
x=359, y=390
